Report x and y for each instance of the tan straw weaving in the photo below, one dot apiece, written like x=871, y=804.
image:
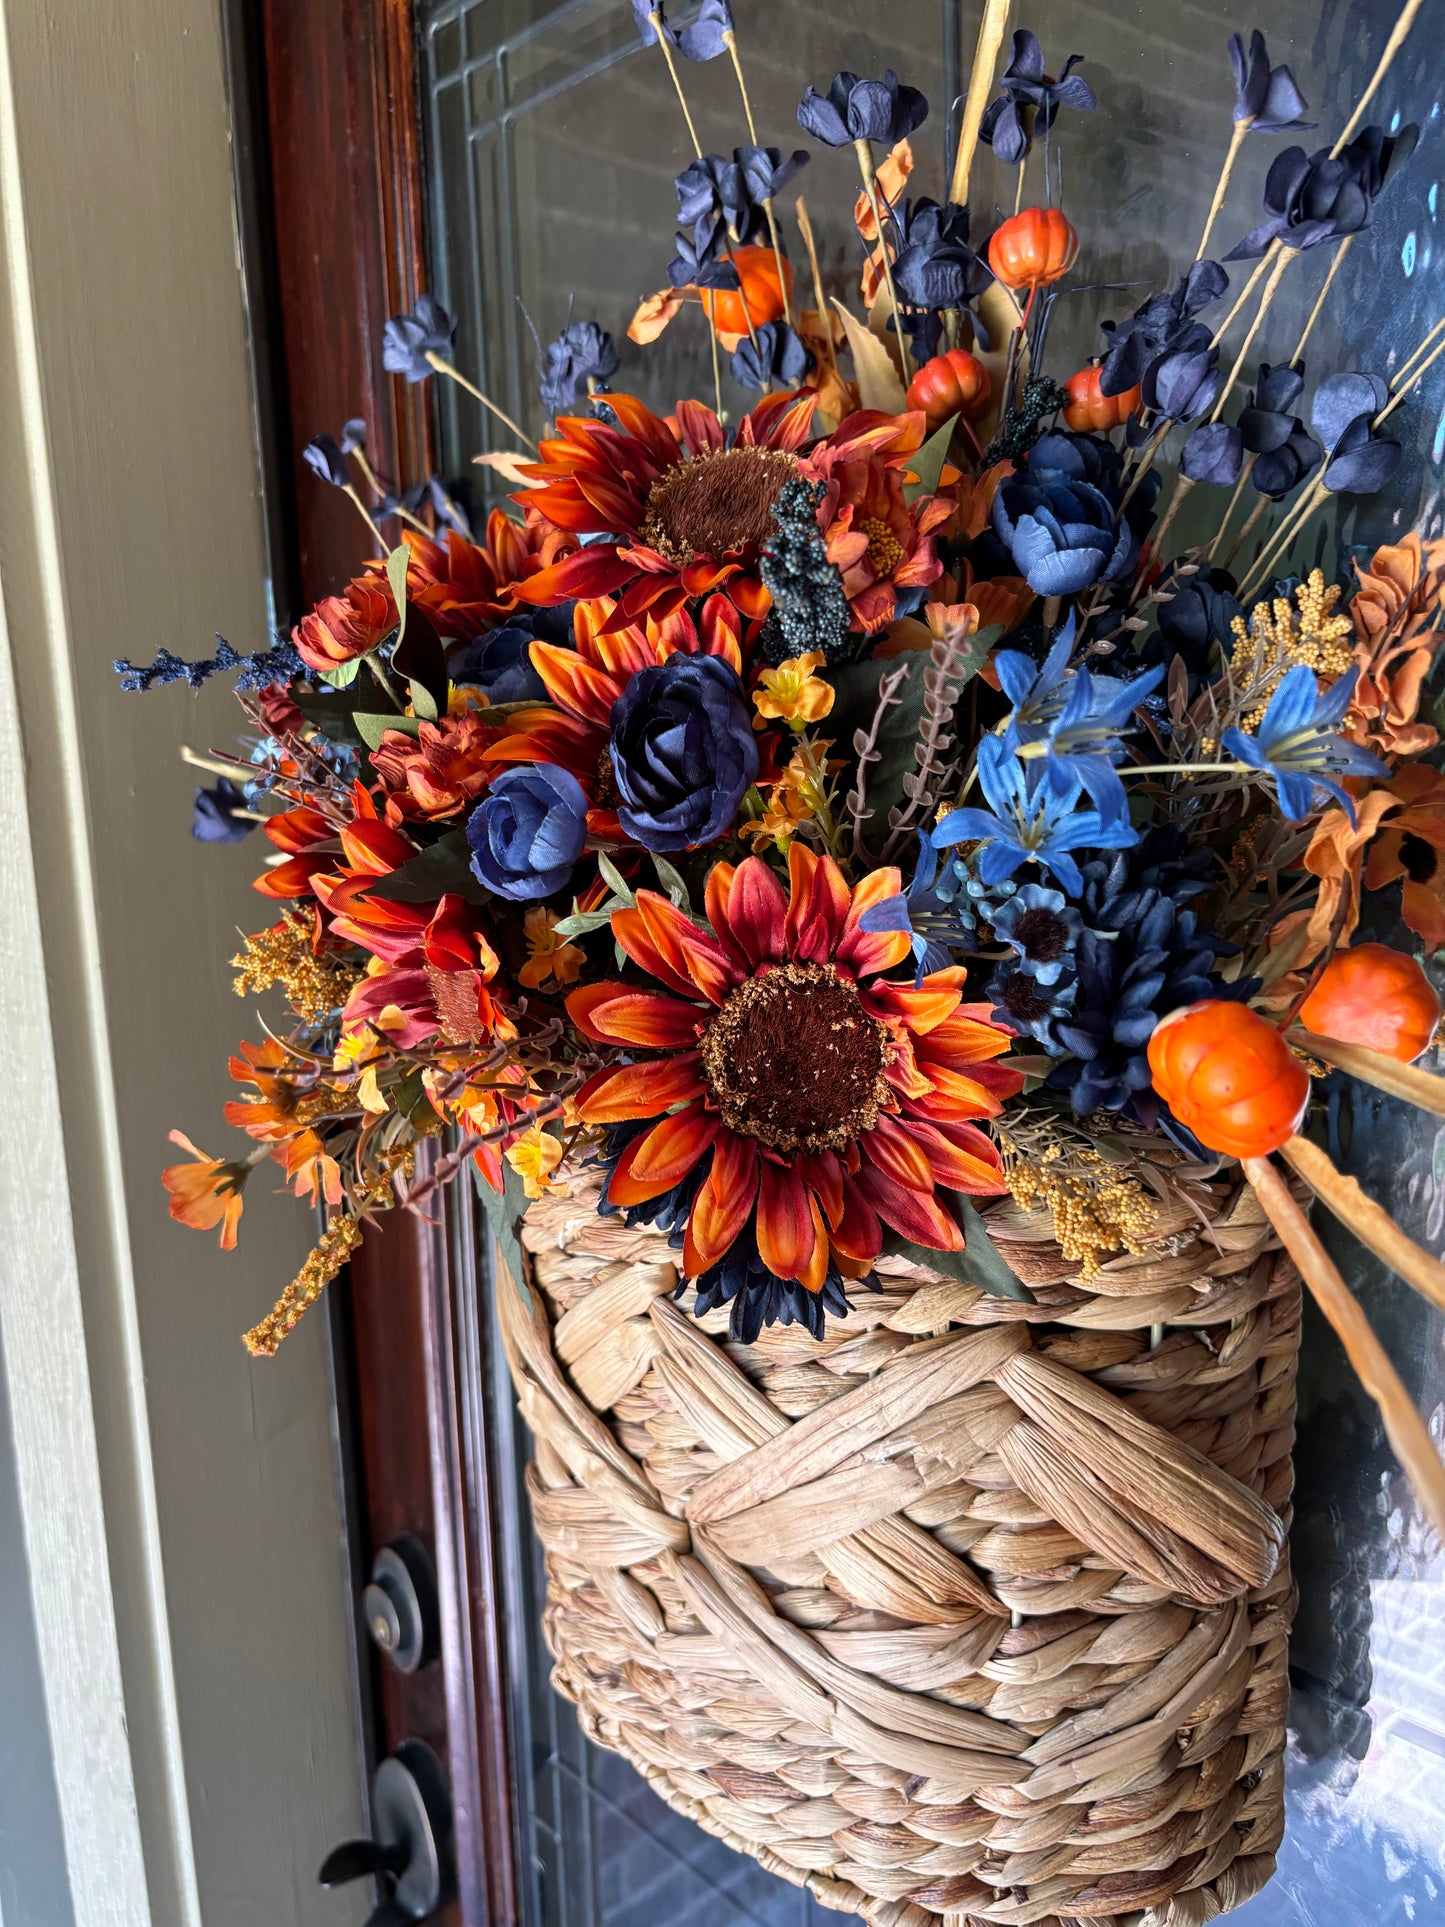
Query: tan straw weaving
x=974, y=1611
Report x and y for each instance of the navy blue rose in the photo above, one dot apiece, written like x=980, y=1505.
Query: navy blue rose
x=1063, y=534
x=683, y=752
x=501, y=663
x=528, y=831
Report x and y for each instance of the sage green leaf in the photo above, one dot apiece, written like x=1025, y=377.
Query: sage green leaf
x=613, y=877
x=928, y=462
x=396, y=565
x=343, y=677
x=505, y=1211
x=423, y=703
x=979, y=1263
x=673, y=881
x=443, y=869
x=371, y=726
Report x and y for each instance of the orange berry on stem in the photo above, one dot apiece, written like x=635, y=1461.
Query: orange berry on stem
x=1376, y=997
x=1229, y=1077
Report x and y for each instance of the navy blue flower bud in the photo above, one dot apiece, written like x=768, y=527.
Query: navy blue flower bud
x=854, y=109
x=705, y=38
x=1213, y=453
x=1358, y=463
x=1025, y=84
x=325, y=457
x=683, y=752
x=1311, y=200
x=1184, y=382
x=407, y=339
x=582, y=353
x=779, y=360
x=1265, y=96
x=215, y=820
x=528, y=831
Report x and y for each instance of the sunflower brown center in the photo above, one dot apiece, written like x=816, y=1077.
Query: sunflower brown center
x=715, y=502
x=793, y=1060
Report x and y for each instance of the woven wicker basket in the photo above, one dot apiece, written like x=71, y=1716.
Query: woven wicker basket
x=973, y=1610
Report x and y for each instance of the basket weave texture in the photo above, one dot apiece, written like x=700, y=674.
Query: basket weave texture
x=974, y=1610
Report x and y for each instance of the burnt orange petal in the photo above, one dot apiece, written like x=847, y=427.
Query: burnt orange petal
x=593, y=571
x=916, y=1215
x=661, y=1157
x=921, y=1010
x=963, y=1040
x=613, y=1013
x=857, y=1238
x=574, y=685
x=814, y=1274
x=818, y=902
x=631, y=931
x=757, y=911
x=640, y=1090
x=695, y=952
x=717, y=900
x=867, y=955
x=291, y=878
x=786, y=1235
x=961, y=1158
x=894, y=1151
x=823, y=1175
x=723, y=1205
x=954, y=1095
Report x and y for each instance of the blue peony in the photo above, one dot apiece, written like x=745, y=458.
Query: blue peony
x=683, y=752
x=528, y=831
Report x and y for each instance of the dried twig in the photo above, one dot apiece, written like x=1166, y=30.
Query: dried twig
x=951, y=661
x=1371, y=1224
x=868, y=752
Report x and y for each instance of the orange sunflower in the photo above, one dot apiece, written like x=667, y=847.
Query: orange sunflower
x=466, y=587
x=830, y=1101
x=686, y=509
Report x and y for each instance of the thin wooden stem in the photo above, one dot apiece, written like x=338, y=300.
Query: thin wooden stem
x=1421, y=1088
x=1288, y=529
x=1401, y=392
x=1270, y=286
x=1239, y=489
x=825, y=313
x=1245, y=292
x=1340, y=252
x=716, y=368
x=444, y=367
x=1404, y=1427
x=980, y=86
x=1019, y=189
x=217, y=766
x=1146, y=462
x=1251, y=522
x=655, y=21
x=1182, y=486
x=1236, y=141
x=1371, y=1224
x=1403, y=372
x=870, y=188
x=1392, y=46
x=730, y=41
x=365, y=513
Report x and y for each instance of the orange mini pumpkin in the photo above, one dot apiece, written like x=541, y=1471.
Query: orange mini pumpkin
x=1229, y=1077
x=761, y=291
x=1033, y=248
x=1089, y=408
x=1374, y=996
x=953, y=383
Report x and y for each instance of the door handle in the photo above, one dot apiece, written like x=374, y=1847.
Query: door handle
x=410, y=1851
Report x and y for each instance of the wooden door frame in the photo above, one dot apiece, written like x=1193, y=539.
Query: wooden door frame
x=338, y=246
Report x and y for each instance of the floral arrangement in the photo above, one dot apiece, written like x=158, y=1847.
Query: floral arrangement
x=827, y=818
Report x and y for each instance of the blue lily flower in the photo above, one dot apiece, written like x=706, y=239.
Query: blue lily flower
x=1038, y=695
x=1083, y=742
x=1297, y=747
x=1030, y=820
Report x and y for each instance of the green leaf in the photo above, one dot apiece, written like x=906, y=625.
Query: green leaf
x=372, y=725
x=396, y=564
x=445, y=868
x=613, y=877
x=979, y=1263
x=409, y=1098
x=581, y=923
x=855, y=703
x=420, y=657
x=928, y=462
x=505, y=1211
x=423, y=703
x=673, y=881
x=343, y=677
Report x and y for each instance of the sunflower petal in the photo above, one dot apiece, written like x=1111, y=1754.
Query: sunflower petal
x=960, y=1157
x=640, y=1090
x=857, y=1238
x=631, y=931
x=890, y=1147
x=786, y=1237
x=814, y=1274
x=921, y=1010
x=576, y=686
x=723, y=1205
x=867, y=954
x=915, y=1215
x=664, y=1155
x=758, y=911
x=823, y=1175
x=593, y=571
x=817, y=905
x=613, y=1013
x=695, y=952
x=962, y=1039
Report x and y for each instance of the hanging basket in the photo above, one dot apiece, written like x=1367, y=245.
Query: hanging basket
x=974, y=1609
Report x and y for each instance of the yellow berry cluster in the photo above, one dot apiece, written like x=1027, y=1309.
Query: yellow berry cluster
x=1283, y=634
x=314, y=986
x=1098, y=1208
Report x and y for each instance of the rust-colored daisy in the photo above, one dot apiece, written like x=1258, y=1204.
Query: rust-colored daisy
x=830, y=1101
x=687, y=509
x=466, y=587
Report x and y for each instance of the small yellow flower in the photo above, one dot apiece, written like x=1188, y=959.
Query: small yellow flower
x=551, y=956
x=792, y=694
x=534, y=1157
x=796, y=798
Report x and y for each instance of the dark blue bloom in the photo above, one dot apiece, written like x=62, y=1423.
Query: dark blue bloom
x=1162, y=324
x=407, y=339
x=1357, y=461
x=325, y=457
x=392, y=502
x=715, y=204
x=643, y=12
x=280, y=663
x=1184, y=381
x=1083, y=741
x=584, y=352
x=446, y=507
x=774, y=358
x=1029, y=819
x=1213, y=453
x=1042, y=927
x=1265, y=96
x=683, y=752
x=1313, y=200
x=353, y=433
x=768, y=170
x=1195, y=615
x=854, y=109
x=694, y=266
x=935, y=267
x=500, y=662
x=705, y=38
x=1296, y=745
x=528, y=831
x=1284, y=451
x=1063, y=536
x=1029, y=1007
x=215, y=819
x=1025, y=84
